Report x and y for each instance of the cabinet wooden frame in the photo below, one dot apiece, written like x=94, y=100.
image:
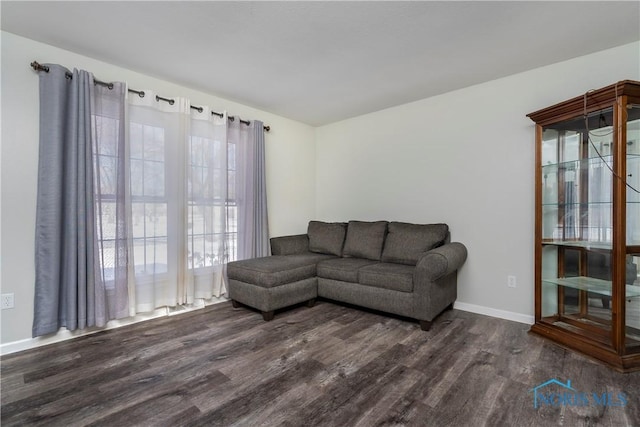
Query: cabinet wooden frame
x=591, y=335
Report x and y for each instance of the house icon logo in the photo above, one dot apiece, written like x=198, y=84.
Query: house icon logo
x=536, y=390
x=555, y=393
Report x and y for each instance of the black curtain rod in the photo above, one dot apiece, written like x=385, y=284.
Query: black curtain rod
x=39, y=67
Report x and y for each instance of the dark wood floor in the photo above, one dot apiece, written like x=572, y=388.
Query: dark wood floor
x=329, y=365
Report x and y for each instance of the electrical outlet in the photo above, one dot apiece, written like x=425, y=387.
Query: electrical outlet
x=6, y=301
x=511, y=281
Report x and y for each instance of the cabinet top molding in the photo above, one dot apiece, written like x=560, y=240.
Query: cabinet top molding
x=595, y=100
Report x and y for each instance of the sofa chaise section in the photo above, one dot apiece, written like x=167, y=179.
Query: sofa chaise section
x=273, y=282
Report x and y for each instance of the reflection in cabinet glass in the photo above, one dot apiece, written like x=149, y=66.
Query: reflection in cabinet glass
x=587, y=282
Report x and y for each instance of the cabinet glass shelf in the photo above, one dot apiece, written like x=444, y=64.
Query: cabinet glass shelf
x=587, y=162
x=579, y=244
x=591, y=284
x=585, y=204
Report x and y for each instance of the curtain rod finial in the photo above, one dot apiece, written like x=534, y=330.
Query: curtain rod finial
x=39, y=67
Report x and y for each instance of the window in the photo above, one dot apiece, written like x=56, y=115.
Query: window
x=148, y=199
x=207, y=202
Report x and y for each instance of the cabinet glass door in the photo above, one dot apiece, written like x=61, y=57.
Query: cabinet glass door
x=577, y=224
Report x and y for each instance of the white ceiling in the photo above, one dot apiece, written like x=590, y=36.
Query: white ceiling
x=320, y=62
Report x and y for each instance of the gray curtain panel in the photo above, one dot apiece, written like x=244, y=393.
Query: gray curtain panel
x=67, y=253
x=251, y=194
x=261, y=223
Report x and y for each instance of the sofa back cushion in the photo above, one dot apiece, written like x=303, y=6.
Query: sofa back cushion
x=405, y=242
x=365, y=239
x=326, y=237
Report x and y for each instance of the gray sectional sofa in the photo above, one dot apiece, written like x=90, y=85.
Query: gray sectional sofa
x=400, y=268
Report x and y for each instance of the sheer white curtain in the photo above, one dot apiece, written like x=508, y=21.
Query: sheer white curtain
x=111, y=199
x=158, y=139
x=179, y=185
x=210, y=242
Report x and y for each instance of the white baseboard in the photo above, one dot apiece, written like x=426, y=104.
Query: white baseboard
x=64, y=334
x=493, y=312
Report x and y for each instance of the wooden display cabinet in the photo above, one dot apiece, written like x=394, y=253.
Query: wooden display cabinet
x=587, y=224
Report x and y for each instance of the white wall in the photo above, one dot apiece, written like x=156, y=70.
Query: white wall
x=464, y=158
x=290, y=151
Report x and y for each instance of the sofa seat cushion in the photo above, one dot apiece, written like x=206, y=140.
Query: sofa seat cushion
x=345, y=269
x=275, y=270
x=395, y=277
x=406, y=243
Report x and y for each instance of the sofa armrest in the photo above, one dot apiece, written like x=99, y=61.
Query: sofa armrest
x=441, y=261
x=289, y=245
